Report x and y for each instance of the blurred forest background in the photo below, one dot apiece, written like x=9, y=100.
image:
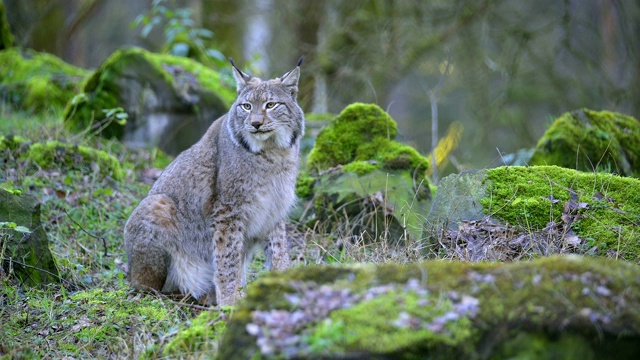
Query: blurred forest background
x=512, y=65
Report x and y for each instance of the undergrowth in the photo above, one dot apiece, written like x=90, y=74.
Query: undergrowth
x=92, y=313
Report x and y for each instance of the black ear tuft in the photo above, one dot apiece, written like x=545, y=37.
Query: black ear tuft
x=301, y=60
x=241, y=78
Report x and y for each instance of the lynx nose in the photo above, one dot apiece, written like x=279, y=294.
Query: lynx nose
x=256, y=124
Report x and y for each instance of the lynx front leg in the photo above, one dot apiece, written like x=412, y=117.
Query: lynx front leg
x=229, y=254
x=277, y=249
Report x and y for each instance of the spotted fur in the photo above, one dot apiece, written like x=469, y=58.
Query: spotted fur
x=228, y=192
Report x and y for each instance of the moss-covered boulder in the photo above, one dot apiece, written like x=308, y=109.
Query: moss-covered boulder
x=37, y=81
x=61, y=155
x=557, y=307
x=544, y=209
x=357, y=171
x=6, y=37
x=56, y=154
x=590, y=140
x=170, y=101
x=363, y=132
x=24, y=246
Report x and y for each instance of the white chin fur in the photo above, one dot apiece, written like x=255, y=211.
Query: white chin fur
x=257, y=141
x=261, y=136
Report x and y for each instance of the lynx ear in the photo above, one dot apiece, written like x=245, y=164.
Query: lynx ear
x=241, y=78
x=290, y=79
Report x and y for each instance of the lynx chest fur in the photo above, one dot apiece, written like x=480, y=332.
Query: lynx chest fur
x=229, y=191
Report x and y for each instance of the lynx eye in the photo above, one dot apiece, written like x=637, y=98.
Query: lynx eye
x=246, y=106
x=270, y=105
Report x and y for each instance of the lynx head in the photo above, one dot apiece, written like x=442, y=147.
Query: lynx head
x=266, y=114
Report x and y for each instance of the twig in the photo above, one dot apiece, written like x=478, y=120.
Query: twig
x=104, y=242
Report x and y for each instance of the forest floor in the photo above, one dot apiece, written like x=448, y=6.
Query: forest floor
x=92, y=312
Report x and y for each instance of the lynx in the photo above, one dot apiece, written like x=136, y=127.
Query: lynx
x=230, y=191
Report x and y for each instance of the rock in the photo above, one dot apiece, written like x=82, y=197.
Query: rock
x=565, y=307
x=514, y=212
x=357, y=171
x=458, y=199
x=37, y=81
x=170, y=101
x=590, y=140
x=57, y=155
x=382, y=204
x=23, y=241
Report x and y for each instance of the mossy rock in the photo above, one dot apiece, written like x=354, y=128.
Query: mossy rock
x=56, y=154
x=602, y=209
x=170, y=101
x=363, y=132
x=37, y=81
x=24, y=253
x=590, y=140
x=362, y=173
x=65, y=156
x=6, y=37
x=557, y=307
x=377, y=203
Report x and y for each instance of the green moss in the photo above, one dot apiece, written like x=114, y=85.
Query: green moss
x=363, y=132
x=360, y=143
x=37, y=81
x=609, y=219
x=354, y=135
x=304, y=185
x=52, y=154
x=12, y=142
x=200, y=336
x=590, y=140
x=360, y=167
x=114, y=305
x=535, y=301
x=84, y=323
x=102, y=88
x=398, y=156
x=381, y=335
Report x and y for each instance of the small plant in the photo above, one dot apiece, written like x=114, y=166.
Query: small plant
x=13, y=226
x=181, y=36
x=116, y=114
